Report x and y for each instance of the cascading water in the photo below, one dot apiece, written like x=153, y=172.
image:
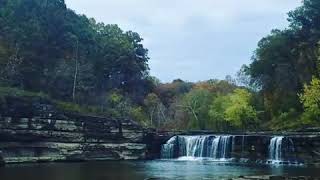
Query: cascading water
x=275, y=148
x=221, y=147
x=279, y=148
x=227, y=147
x=242, y=146
x=167, y=150
x=216, y=147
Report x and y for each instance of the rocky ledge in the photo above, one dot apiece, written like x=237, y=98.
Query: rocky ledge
x=37, y=132
x=75, y=139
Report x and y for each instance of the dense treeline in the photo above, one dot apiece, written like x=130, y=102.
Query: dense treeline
x=218, y=105
x=88, y=66
x=282, y=84
x=286, y=61
x=45, y=47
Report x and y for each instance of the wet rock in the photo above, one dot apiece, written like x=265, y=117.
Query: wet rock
x=277, y=178
x=1, y=160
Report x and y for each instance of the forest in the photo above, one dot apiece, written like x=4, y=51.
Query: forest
x=84, y=66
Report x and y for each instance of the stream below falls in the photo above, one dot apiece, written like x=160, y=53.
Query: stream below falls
x=140, y=170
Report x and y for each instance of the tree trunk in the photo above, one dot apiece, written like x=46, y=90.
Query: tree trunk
x=151, y=116
x=75, y=73
x=194, y=113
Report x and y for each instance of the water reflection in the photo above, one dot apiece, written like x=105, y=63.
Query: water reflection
x=143, y=170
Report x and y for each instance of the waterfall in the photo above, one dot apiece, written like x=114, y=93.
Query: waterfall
x=167, y=150
x=216, y=147
x=275, y=149
x=279, y=150
x=223, y=147
x=242, y=146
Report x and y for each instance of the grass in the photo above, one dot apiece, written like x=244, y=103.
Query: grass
x=76, y=108
x=15, y=92
x=60, y=105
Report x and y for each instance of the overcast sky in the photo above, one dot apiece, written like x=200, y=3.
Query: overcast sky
x=193, y=39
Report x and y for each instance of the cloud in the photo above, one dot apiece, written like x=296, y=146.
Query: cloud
x=193, y=39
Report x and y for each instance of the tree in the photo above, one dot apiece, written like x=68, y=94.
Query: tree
x=196, y=103
x=39, y=39
x=217, y=113
x=155, y=109
x=274, y=70
x=311, y=103
x=233, y=111
x=215, y=86
x=239, y=112
x=285, y=60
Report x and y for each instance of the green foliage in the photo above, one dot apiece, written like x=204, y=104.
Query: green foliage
x=14, y=92
x=311, y=103
x=239, y=112
x=218, y=105
x=33, y=96
x=169, y=92
x=217, y=113
x=138, y=114
x=88, y=67
x=284, y=61
x=274, y=69
x=155, y=109
x=286, y=121
x=233, y=111
x=196, y=103
x=46, y=47
x=43, y=44
x=76, y=108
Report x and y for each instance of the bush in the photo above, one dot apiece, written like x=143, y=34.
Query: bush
x=287, y=121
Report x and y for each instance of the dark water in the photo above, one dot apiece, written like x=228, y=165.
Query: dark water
x=192, y=170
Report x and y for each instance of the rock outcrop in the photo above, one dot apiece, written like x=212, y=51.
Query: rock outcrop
x=72, y=139
x=35, y=131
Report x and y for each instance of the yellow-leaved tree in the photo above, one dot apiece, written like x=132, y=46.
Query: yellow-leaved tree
x=311, y=103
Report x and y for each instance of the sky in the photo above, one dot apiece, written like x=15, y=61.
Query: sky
x=193, y=40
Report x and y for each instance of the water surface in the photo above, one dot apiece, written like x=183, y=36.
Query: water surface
x=137, y=170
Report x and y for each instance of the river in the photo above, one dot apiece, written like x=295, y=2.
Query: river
x=140, y=170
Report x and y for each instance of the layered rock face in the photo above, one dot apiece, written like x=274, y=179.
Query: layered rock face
x=36, y=132
x=78, y=138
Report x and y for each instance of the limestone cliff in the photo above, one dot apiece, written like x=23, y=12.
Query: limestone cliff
x=35, y=131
